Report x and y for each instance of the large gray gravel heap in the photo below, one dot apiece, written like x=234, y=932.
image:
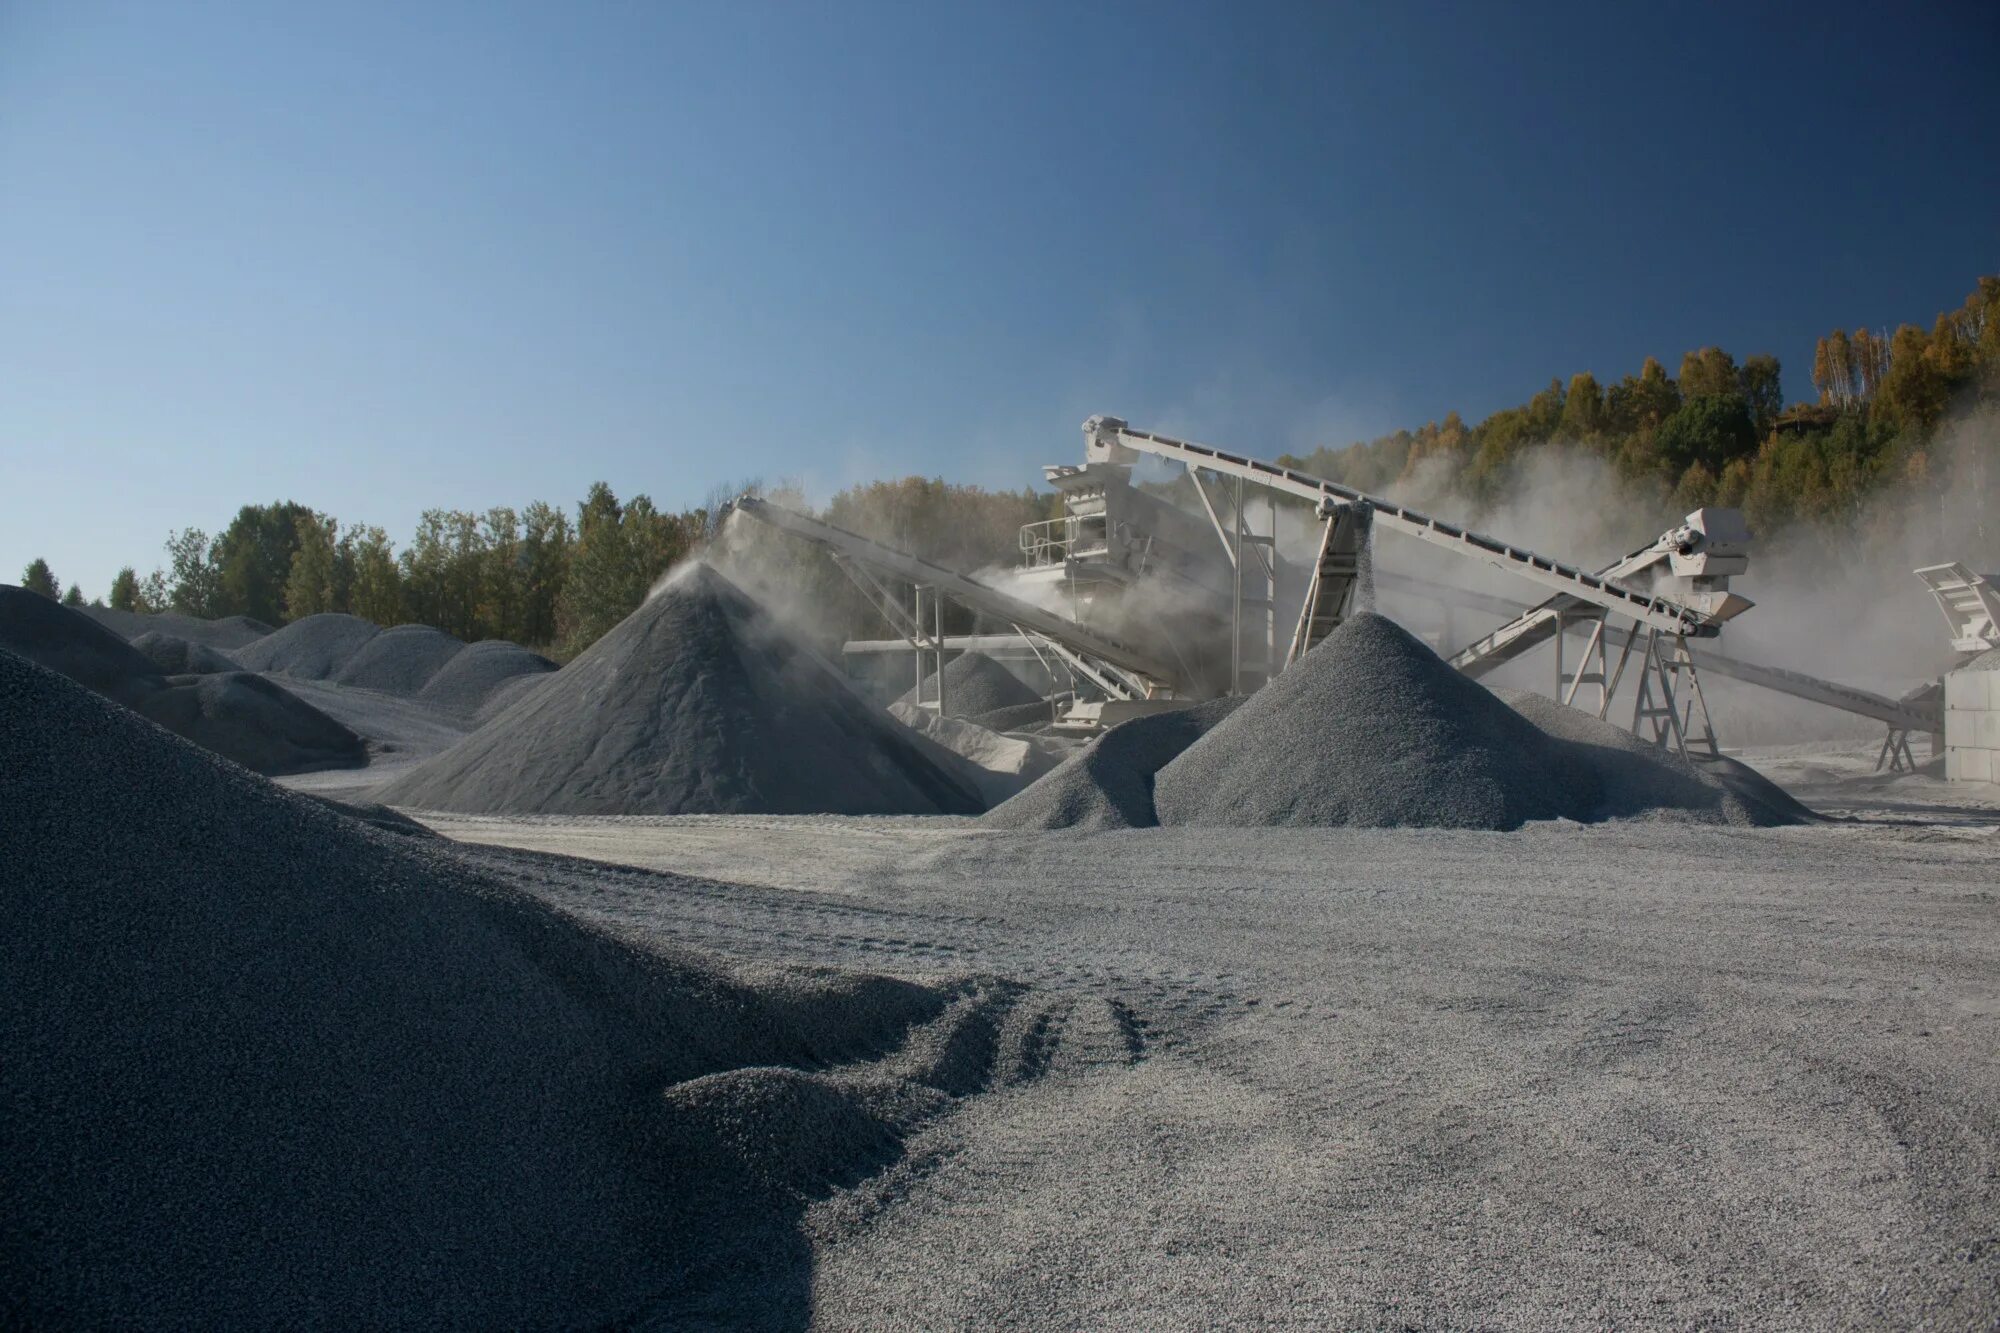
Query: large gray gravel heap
x=259, y=724
x=696, y=703
x=1372, y=728
x=973, y=684
x=75, y=645
x=399, y=660
x=314, y=648
x=172, y=655
x=227, y=633
x=471, y=679
x=239, y=716
x=262, y=1065
x=1109, y=782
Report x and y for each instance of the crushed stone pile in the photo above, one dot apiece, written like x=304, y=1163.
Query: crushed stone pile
x=1018, y=717
x=239, y=716
x=75, y=645
x=259, y=724
x=973, y=684
x=263, y=1065
x=696, y=703
x=1109, y=782
x=1636, y=779
x=313, y=648
x=1372, y=728
x=472, y=679
x=171, y=655
x=399, y=660
x=227, y=632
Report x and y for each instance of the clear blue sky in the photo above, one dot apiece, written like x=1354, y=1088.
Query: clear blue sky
x=380, y=257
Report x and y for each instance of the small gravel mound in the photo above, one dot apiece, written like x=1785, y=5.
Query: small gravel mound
x=472, y=679
x=1109, y=782
x=171, y=655
x=315, y=648
x=399, y=660
x=974, y=683
x=262, y=726
x=696, y=703
x=1638, y=779
x=64, y=641
x=1372, y=728
x=1036, y=713
x=227, y=632
x=264, y=1066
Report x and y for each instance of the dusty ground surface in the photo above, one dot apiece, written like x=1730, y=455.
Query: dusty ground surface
x=1628, y=1075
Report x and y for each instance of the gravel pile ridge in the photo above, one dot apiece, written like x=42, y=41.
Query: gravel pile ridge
x=262, y=726
x=314, y=648
x=471, y=679
x=1033, y=714
x=399, y=660
x=227, y=632
x=1109, y=783
x=240, y=716
x=1637, y=779
x=696, y=703
x=973, y=684
x=1372, y=728
x=263, y=1065
x=74, y=645
x=171, y=655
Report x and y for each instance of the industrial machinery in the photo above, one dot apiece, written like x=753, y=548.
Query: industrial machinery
x=1142, y=604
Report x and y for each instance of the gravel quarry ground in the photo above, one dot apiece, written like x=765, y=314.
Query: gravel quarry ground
x=1635, y=1074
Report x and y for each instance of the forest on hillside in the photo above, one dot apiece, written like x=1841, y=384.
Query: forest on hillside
x=1874, y=438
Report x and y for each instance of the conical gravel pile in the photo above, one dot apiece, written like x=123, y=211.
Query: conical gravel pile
x=471, y=679
x=697, y=703
x=237, y=715
x=172, y=655
x=399, y=660
x=973, y=684
x=315, y=648
x=1372, y=728
x=1109, y=782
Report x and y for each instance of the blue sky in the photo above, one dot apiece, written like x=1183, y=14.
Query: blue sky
x=381, y=257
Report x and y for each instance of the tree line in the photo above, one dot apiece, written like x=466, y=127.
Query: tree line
x=1719, y=433
x=539, y=576
x=1716, y=433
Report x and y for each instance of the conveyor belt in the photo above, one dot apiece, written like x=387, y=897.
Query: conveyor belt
x=1109, y=434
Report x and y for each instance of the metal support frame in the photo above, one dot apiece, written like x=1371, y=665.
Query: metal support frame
x=1896, y=752
x=1336, y=575
x=1567, y=686
x=909, y=622
x=1668, y=666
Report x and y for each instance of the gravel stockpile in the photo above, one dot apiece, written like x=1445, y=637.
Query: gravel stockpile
x=1037, y=713
x=264, y=1066
x=399, y=660
x=697, y=703
x=172, y=655
x=1109, y=783
x=65, y=641
x=227, y=633
x=245, y=718
x=471, y=679
x=315, y=648
x=974, y=683
x=1372, y=728
x=1636, y=778
x=262, y=726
